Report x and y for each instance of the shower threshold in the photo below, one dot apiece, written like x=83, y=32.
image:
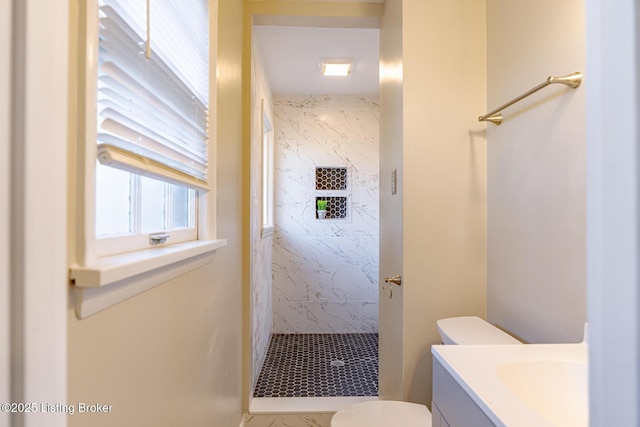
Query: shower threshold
x=302, y=405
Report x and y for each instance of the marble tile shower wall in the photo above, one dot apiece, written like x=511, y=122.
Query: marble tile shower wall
x=325, y=272
x=261, y=247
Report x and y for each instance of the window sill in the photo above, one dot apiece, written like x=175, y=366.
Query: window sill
x=267, y=231
x=116, y=278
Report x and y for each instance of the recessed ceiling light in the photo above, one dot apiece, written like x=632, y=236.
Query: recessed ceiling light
x=336, y=66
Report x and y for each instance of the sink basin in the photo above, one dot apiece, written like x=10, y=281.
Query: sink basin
x=557, y=390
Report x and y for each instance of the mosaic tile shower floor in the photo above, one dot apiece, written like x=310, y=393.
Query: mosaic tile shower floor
x=320, y=365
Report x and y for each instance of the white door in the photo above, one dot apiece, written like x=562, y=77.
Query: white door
x=391, y=200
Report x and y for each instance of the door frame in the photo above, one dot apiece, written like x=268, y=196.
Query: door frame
x=338, y=14
x=613, y=211
x=34, y=194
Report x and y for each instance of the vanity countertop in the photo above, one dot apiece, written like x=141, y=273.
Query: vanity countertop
x=531, y=385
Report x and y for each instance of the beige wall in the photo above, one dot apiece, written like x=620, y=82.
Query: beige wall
x=170, y=356
x=444, y=175
x=440, y=155
x=536, y=171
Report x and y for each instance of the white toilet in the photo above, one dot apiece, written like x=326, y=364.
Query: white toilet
x=471, y=330
x=468, y=330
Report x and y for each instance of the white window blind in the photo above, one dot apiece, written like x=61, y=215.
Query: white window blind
x=152, y=111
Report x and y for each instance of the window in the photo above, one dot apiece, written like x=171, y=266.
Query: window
x=152, y=117
x=267, y=173
x=134, y=206
x=143, y=170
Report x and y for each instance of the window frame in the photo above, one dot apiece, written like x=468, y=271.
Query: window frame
x=139, y=239
x=102, y=281
x=268, y=172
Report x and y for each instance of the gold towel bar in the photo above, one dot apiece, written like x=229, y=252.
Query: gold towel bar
x=572, y=80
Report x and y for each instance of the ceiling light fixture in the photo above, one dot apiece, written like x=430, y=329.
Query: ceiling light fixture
x=336, y=66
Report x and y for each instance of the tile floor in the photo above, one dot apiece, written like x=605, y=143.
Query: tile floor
x=320, y=365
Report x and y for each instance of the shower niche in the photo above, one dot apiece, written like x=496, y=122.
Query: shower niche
x=332, y=185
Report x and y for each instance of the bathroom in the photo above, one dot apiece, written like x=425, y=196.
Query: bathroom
x=514, y=199
x=137, y=354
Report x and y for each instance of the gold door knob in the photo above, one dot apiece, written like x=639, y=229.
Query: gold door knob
x=395, y=279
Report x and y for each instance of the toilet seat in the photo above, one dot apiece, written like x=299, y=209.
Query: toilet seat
x=382, y=413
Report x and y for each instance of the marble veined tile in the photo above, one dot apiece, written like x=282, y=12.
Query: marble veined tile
x=294, y=318
x=326, y=125
x=361, y=155
x=289, y=420
x=323, y=317
x=321, y=265
x=262, y=303
x=363, y=223
x=302, y=125
x=351, y=101
x=328, y=101
x=332, y=252
x=261, y=294
x=354, y=285
x=303, y=156
x=296, y=220
x=303, y=101
x=324, y=285
x=260, y=346
x=370, y=318
x=293, y=188
x=290, y=284
x=353, y=124
x=369, y=250
x=347, y=315
x=294, y=284
x=319, y=284
x=372, y=271
x=285, y=253
x=368, y=185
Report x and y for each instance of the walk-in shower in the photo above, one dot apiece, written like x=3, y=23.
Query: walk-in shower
x=324, y=291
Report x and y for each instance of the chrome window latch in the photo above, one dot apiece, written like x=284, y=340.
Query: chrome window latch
x=158, y=238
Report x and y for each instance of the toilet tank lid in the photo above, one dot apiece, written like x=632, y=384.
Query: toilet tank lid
x=467, y=330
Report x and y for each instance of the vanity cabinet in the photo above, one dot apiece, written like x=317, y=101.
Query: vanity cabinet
x=452, y=406
x=437, y=420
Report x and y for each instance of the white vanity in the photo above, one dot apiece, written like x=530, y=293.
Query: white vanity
x=532, y=385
